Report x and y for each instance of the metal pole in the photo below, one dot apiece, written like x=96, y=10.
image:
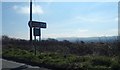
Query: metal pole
x=30, y=20
x=35, y=45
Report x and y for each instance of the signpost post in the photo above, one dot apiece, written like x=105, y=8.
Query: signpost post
x=36, y=28
x=30, y=20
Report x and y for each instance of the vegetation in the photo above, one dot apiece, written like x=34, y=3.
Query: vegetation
x=63, y=54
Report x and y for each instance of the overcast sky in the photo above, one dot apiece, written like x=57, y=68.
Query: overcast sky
x=64, y=19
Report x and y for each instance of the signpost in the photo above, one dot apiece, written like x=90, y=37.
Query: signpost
x=36, y=27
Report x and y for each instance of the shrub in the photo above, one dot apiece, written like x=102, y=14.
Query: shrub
x=115, y=66
x=101, y=61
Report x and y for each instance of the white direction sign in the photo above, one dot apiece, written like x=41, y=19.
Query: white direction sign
x=37, y=24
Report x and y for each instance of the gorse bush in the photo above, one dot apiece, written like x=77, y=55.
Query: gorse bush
x=63, y=55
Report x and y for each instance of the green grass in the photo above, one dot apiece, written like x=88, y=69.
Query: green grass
x=72, y=62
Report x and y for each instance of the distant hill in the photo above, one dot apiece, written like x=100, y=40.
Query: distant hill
x=90, y=39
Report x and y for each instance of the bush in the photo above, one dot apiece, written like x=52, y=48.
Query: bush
x=101, y=61
x=115, y=66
